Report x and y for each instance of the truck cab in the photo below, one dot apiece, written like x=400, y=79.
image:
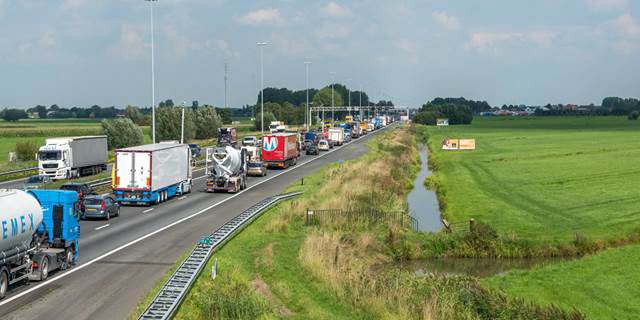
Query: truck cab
x=53, y=160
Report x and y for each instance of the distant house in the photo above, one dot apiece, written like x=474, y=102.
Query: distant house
x=33, y=115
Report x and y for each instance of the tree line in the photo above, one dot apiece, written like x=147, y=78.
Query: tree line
x=457, y=110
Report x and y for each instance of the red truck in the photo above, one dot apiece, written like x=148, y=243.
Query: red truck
x=280, y=150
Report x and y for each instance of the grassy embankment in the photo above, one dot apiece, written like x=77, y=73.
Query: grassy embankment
x=549, y=186
x=280, y=268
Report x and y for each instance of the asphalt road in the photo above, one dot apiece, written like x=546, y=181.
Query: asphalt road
x=19, y=183
x=122, y=259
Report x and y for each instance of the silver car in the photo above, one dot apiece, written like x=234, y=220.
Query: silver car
x=100, y=206
x=256, y=168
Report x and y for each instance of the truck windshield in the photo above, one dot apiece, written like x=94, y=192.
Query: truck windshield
x=49, y=155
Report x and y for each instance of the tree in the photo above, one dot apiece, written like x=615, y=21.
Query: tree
x=206, y=122
x=323, y=98
x=457, y=114
x=26, y=150
x=268, y=117
x=225, y=114
x=168, y=121
x=13, y=114
x=427, y=117
x=137, y=116
x=634, y=115
x=41, y=110
x=121, y=133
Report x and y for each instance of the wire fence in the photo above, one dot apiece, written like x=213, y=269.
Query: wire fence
x=361, y=217
x=457, y=226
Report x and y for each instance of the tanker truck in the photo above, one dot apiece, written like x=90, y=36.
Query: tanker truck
x=226, y=169
x=39, y=234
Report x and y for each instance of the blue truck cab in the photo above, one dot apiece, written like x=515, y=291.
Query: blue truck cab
x=59, y=231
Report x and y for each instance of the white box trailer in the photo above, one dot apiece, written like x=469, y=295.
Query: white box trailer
x=71, y=157
x=336, y=135
x=152, y=173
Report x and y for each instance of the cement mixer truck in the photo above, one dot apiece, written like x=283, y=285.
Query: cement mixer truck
x=39, y=231
x=226, y=169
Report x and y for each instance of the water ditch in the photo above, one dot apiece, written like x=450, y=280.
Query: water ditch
x=423, y=203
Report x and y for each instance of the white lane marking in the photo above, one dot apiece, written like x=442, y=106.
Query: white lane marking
x=102, y=227
x=126, y=245
x=145, y=211
x=183, y=197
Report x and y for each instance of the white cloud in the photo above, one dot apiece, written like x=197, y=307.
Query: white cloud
x=289, y=45
x=130, y=45
x=329, y=30
x=47, y=40
x=627, y=26
x=445, y=20
x=334, y=10
x=489, y=41
x=410, y=48
x=607, y=5
x=261, y=17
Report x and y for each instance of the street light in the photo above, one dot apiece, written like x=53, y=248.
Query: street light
x=349, y=92
x=360, y=104
x=307, y=110
x=153, y=78
x=333, y=75
x=261, y=46
x=182, y=123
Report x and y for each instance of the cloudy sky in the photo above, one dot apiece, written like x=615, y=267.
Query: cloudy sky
x=83, y=52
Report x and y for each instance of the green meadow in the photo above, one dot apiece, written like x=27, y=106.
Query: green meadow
x=543, y=179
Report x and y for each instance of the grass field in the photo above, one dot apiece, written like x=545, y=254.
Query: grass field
x=543, y=179
x=603, y=286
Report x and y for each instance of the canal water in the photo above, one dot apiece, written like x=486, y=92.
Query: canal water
x=423, y=204
x=483, y=267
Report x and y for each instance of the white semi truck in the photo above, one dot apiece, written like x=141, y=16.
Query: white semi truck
x=152, y=173
x=63, y=158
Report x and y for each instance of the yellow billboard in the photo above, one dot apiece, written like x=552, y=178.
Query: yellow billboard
x=467, y=144
x=458, y=144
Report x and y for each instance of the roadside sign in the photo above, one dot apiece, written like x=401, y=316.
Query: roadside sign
x=458, y=144
x=442, y=122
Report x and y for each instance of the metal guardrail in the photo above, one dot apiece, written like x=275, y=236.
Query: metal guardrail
x=8, y=173
x=168, y=299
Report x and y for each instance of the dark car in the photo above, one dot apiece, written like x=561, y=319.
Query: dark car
x=100, y=206
x=37, y=182
x=312, y=149
x=82, y=189
x=196, y=151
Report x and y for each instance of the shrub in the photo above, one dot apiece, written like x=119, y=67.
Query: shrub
x=121, y=132
x=457, y=114
x=13, y=114
x=634, y=115
x=168, y=124
x=268, y=117
x=207, y=121
x=426, y=118
x=26, y=150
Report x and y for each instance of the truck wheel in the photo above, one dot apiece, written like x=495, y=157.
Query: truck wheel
x=4, y=284
x=44, y=269
x=68, y=259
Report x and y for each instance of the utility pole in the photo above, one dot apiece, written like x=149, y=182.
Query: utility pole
x=153, y=78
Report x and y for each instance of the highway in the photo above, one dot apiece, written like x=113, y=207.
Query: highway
x=122, y=259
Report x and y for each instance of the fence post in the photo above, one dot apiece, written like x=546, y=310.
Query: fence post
x=472, y=224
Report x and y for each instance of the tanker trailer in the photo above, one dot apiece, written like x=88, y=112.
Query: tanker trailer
x=39, y=232
x=226, y=169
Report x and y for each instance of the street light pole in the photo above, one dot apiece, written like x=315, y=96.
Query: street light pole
x=182, y=123
x=261, y=45
x=349, y=92
x=153, y=78
x=360, y=104
x=333, y=119
x=307, y=110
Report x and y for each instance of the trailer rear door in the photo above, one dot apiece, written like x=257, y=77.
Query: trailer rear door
x=133, y=170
